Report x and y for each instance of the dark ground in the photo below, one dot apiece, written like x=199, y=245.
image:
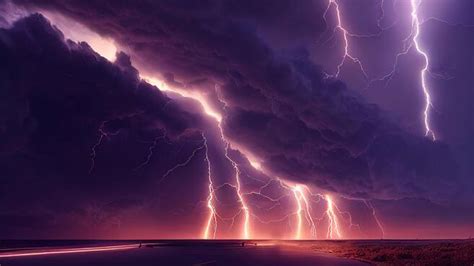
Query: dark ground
x=168, y=253
x=402, y=252
x=231, y=252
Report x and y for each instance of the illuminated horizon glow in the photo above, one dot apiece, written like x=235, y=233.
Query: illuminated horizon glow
x=428, y=104
x=68, y=251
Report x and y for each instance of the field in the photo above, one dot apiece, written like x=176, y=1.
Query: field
x=402, y=252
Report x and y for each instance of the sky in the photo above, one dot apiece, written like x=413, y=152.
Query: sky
x=323, y=119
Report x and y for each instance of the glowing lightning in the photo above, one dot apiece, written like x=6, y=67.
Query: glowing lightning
x=413, y=36
x=184, y=163
x=299, y=191
x=150, y=151
x=103, y=135
x=379, y=224
x=212, y=219
x=345, y=35
x=246, y=229
x=298, y=213
x=208, y=110
x=333, y=227
x=416, y=24
x=301, y=199
x=308, y=216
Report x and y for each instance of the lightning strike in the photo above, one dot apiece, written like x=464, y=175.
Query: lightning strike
x=102, y=135
x=412, y=40
x=428, y=104
x=382, y=16
x=212, y=218
x=302, y=205
x=208, y=110
x=245, y=209
x=302, y=199
x=345, y=34
x=298, y=191
x=184, y=163
x=308, y=216
x=379, y=224
x=298, y=214
x=413, y=36
x=333, y=227
x=150, y=151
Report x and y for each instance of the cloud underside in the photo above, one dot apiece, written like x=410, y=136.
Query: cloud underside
x=276, y=103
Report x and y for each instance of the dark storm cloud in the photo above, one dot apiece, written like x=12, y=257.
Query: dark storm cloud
x=56, y=98
x=278, y=103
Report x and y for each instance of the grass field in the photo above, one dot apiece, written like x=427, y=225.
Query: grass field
x=402, y=252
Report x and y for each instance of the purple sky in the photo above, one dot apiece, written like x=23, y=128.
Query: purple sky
x=90, y=150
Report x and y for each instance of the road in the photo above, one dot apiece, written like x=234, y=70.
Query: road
x=175, y=254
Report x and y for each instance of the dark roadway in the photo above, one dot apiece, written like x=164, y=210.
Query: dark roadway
x=189, y=253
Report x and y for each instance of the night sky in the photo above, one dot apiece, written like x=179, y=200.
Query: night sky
x=236, y=119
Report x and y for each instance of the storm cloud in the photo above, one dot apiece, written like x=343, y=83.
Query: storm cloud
x=87, y=146
x=76, y=131
x=302, y=124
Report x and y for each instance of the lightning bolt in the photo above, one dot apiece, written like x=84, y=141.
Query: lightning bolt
x=208, y=110
x=212, y=218
x=428, y=104
x=302, y=200
x=184, y=163
x=333, y=227
x=102, y=135
x=301, y=193
x=412, y=39
x=150, y=151
x=299, y=211
x=339, y=26
x=379, y=224
x=245, y=209
x=303, y=197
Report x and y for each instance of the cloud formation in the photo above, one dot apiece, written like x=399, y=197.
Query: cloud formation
x=74, y=129
x=277, y=103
